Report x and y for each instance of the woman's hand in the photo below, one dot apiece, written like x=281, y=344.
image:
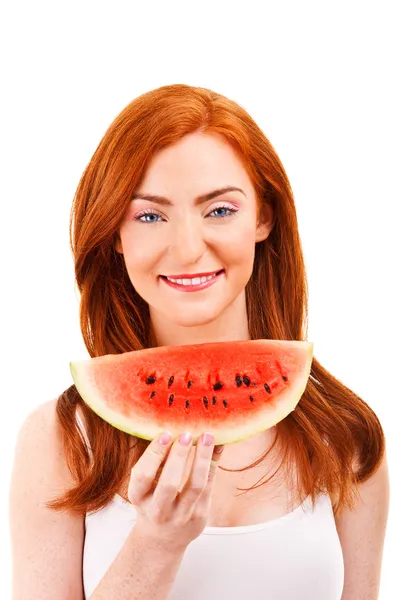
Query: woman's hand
x=166, y=516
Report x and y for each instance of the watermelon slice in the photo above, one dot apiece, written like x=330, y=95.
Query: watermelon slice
x=232, y=389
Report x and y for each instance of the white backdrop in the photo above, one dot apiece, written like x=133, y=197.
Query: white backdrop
x=319, y=78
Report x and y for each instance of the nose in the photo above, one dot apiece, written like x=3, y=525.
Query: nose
x=187, y=244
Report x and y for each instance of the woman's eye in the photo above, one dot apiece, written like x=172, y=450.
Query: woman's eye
x=224, y=211
x=148, y=217
x=152, y=217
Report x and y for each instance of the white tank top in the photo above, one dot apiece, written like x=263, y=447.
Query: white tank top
x=295, y=557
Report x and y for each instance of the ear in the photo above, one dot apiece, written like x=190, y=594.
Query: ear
x=118, y=244
x=265, y=223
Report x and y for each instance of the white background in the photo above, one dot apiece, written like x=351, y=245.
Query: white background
x=321, y=81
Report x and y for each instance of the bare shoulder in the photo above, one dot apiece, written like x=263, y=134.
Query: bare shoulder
x=42, y=420
x=47, y=545
x=39, y=451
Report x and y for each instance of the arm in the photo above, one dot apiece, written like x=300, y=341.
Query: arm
x=46, y=545
x=361, y=533
x=142, y=569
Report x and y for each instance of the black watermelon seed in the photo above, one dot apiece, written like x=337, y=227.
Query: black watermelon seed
x=187, y=403
x=218, y=386
x=171, y=398
x=150, y=379
x=225, y=403
x=205, y=401
x=189, y=384
x=238, y=381
x=214, y=400
x=152, y=395
x=251, y=398
x=246, y=380
x=267, y=388
x=285, y=378
x=171, y=380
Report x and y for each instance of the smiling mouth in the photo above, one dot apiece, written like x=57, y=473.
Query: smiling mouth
x=197, y=279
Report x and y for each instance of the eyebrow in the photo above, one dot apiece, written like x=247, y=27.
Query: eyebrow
x=198, y=200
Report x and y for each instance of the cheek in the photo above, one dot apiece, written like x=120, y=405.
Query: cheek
x=241, y=246
x=139, y=256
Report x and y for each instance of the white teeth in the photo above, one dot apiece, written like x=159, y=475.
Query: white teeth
x=193, y=281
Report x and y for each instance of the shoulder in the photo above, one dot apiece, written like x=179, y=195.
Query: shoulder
x=46, y=544
x=377, y=483
x=43, y=414
x=39, y=450
x=40, y=425
x=374, y=490
x=41, y=431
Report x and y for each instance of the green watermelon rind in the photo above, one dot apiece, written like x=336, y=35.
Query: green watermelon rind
x=286, y=403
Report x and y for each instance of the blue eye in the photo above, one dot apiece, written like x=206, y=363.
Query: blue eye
x=227, y=213
x=154, y=217
x=147, y=214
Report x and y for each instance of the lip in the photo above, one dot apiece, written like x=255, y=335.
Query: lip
x=192, y=275
x=193, y=288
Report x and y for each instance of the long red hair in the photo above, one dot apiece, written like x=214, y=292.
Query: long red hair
x=333, y=437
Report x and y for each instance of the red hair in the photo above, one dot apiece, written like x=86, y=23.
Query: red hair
x=333, y=437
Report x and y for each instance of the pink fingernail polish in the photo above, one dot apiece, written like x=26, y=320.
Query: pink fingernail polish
x=207, y=439
x=165, y=438
x=185, y=439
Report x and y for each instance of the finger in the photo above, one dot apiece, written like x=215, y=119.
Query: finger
x=144, y=471
x=204, y=466
x=203, y=502
x=172, y=474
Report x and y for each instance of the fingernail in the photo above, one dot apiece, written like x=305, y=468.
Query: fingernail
x=185, y=439
x=218, y=449
x=165, y=438
x=207, y=439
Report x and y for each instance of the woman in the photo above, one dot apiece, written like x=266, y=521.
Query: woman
x=184, y=184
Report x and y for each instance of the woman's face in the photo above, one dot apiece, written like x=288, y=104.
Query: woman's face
x=183, y=237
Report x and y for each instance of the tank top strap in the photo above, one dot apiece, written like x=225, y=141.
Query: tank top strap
x=83, y=432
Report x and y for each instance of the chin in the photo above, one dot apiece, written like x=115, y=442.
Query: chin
x=195, y=318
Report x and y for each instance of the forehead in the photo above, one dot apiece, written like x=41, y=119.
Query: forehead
x=193, y=164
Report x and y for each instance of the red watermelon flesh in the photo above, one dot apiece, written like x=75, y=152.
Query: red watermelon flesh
x=232, y=389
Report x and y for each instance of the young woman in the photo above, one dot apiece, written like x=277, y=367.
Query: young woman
x=183, y=185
